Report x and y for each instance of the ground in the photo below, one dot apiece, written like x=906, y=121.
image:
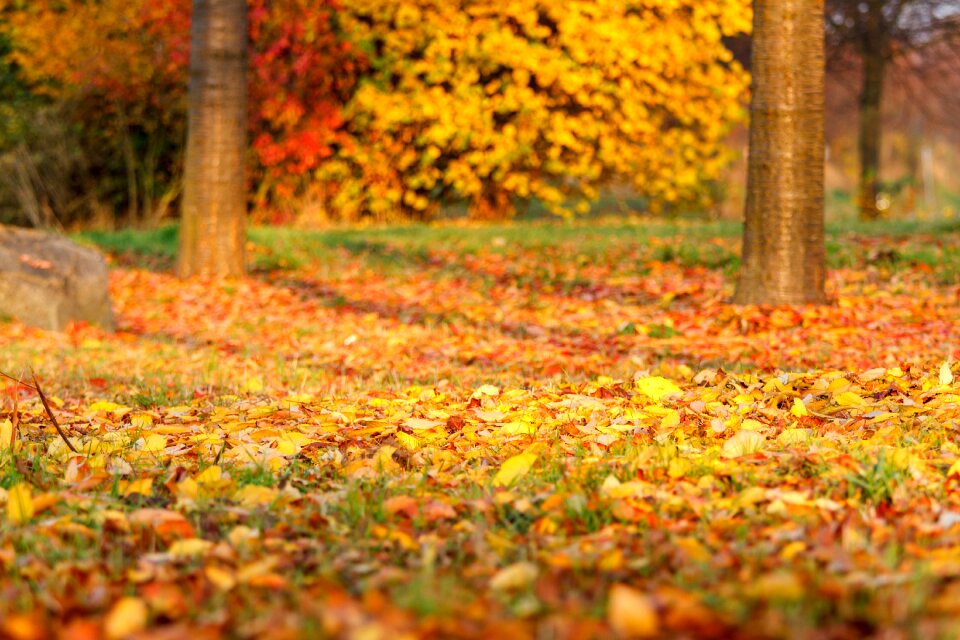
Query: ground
x=527, y=430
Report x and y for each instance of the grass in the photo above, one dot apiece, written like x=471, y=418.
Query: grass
x=711, y=244
x=492, y=305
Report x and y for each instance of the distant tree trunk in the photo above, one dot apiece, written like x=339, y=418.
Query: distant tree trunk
x=783, y=239
x=874, y=66
x=912, y=161
x=212, y=231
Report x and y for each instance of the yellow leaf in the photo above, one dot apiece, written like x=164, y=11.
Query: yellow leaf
x=141, y=421
x=242, y=535
x=793, y=549
x=253, y=384
x=127, y=617
x=798, y=409
x=780, y=585
x=741, y=444
x=610, y=484
x=143, y=486
x=6, y=435
x=946, y=376
x=514, y=468
x=632, y=489
x=153, y=443
x=838, y=384
x=287, y=448
x=189, y=548
x=693, y=548
x=108, y=407
x=256, y=569
x=656, y=388
x=188, y=489
x=211, y=475
x=221, y=578
x=611, y=561
x=631, y=614
x=383, y=459
x=790, y=437
x=418, y=424
x=849, y=399
x=670, y=420
x=954, y=469
x=254, y=495
x=19, y=503
x=519, y=427
x=751, y=496
x=515, y=577
x=678, y=468
x=408, y=441
x=486, y=390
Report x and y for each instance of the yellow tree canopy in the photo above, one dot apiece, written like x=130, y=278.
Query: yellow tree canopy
x=491, y=101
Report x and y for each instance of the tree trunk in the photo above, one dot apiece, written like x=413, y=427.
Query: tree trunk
x=212, y=231
x=783, y=238
x=869, y=136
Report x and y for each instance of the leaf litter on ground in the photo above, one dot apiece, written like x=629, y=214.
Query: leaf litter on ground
x=486, y=444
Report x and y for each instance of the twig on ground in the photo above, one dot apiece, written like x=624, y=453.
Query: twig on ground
x=14, y=418
x=46, y=406
x=17, y=380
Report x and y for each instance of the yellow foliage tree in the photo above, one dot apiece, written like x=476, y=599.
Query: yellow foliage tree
x=491, y=102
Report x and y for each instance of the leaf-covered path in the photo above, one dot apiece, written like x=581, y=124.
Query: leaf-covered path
x=564, y=440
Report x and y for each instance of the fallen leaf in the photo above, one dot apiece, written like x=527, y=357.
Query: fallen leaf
x=254, y=495
x=656, y=387
x=166, y=523
x=779, y=585
x=798, y=409
x=19, y=503
x=418, y=424
x=515, y=577
x=126, y=617
x=631, y=614
x=946, y=375
x=742, y=443
x=514, y=468
x=7, y=436
x=189, y=547
x=849, y=399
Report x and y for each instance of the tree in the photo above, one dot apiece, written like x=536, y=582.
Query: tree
x=117, y=73
x=881, y=34
x=783, y=239
x=498, y=103
x=212, y=230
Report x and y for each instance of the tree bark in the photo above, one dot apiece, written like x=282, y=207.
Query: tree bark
x=783, y=239
x=871, y=95
x=212, y=231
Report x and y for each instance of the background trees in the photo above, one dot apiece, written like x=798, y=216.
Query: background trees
x=491, y=104
x=783, y=242
x=882, y=35
x=109, y=80
x=105, y=136
x=496, y=103
x=396, y=109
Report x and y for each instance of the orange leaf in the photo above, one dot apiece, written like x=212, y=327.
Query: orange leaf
x=631, y=613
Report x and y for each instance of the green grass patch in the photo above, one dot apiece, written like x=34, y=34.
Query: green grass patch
x=711, y=244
